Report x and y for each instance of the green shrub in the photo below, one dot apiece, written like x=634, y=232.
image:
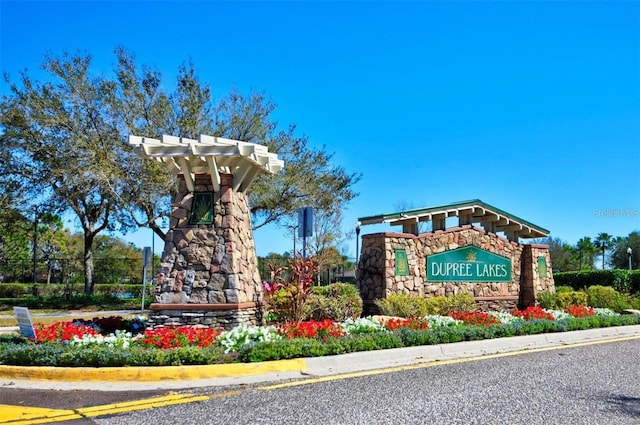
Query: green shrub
x=337, y=301
x=602, y=297
x=627, y=281
x=303, y=347
x=561, y=288
x=443, y=305
x=562, y=298
x=66, y=355
x=15, y=290
x=76, y=301
x=403, y=305
x=120, y=289
x=463, y=302
x=569, y=298
x=548, y=300
x=634, y=301
x=21, y=290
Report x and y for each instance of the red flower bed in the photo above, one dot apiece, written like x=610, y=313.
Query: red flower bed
x=411, y=323
x=61, y=331
x=533, y=312
x=180, y=336
x=476, y=318
x=580, y=311
x=312, y=329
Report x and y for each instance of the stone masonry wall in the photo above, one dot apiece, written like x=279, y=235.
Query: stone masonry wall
x=209, y=264
x=538, y=280
x=376, y=278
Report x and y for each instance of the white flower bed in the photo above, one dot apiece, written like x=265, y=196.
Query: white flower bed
x=242, y=336
x=119, y=339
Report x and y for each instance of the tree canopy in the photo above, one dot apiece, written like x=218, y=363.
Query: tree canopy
x=63, y=146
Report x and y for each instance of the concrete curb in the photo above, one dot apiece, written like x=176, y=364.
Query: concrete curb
x=368, y=360
x=176, y=377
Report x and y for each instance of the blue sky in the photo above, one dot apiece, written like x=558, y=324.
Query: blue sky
x=533, y=107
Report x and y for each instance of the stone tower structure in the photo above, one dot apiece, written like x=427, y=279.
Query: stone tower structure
x=209, y=269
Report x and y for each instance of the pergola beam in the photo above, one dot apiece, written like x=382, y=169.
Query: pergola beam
x=210, y=155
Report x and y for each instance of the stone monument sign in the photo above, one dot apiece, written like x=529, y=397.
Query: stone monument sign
x=482, y=256
x=209, y=269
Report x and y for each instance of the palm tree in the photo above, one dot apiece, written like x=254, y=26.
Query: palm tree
x=586, y=248
x=602, y=241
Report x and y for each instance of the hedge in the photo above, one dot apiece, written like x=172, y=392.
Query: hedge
x=627, y=281
x=19, y=290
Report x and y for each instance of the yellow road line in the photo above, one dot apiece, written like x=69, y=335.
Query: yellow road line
x=18, y=414
x=436, y=363
x=139, y=404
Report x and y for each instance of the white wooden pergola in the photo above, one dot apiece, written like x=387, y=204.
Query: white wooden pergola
x=210, y=155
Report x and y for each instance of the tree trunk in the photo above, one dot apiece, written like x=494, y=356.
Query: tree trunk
x=88, y=263
x=158, y=231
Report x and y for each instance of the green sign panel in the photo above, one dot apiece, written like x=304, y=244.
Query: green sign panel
x=542, y=267
x=468, y=264
x=202, y=208
x=402, y=264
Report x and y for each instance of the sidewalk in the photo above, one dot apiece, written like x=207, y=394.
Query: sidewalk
x=182, y=377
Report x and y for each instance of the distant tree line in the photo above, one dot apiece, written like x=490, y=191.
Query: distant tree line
x=59, y=253
x=602, y=252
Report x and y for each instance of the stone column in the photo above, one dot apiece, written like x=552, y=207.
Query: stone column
x=527, y=278
x=209, y=272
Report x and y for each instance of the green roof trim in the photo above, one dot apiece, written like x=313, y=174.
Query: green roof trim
x=444, y=209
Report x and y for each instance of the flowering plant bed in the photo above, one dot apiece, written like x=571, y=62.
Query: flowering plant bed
x=99, y=343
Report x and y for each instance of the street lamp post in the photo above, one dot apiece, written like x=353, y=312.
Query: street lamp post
x=357, y=241
x=629, y=252
x=35, y=246
x=293, y=230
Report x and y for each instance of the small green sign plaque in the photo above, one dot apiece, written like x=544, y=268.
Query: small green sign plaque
x=468, y=264
x=542, y=267
x=202, y=208
x=402, y=264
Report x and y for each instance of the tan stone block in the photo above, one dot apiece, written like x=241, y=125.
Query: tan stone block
x=182, y=244
x=173, y=298
x=232, y=295
x=216, y=297
x=226, y=195
x=200, y=283
x=199, y=296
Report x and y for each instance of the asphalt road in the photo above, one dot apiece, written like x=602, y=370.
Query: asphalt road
x=589, y=384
